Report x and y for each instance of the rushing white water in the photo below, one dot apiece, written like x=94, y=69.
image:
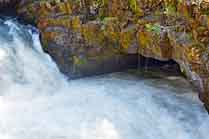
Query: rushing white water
x=37, y=102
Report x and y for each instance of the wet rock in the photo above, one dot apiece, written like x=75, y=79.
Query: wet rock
x=8, y=7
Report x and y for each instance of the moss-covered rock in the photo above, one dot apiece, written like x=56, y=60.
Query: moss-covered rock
x=94, y=35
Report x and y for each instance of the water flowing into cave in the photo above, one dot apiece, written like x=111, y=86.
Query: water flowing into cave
x=37, y=102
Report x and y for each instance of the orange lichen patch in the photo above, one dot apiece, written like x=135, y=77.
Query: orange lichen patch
x=64, y=22
x=43, y=10
x=126, y=39
x=165, y=46
x=194, y=53
x=127, y=36
x=50, y=35
x=208, y=22
x=111, y=34
x=63, y=8
x=144, y=39
x=92, y=33
x=116, y=8
x=42, y=24
x=68, y=8
x=149, y=45
x=111, y=29
x=184, y=8
x=76, y=23
x=178, y=52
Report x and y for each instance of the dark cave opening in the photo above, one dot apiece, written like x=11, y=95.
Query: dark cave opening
x=151, y=63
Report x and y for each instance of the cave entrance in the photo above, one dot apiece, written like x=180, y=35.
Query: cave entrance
x=169, y=67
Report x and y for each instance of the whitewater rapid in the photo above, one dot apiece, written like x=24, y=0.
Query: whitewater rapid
x=37, y=102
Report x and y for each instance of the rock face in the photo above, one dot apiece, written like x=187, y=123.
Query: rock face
x=95, y=36
x=7, y=6
x=79, y=44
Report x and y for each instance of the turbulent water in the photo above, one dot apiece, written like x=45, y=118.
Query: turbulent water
x=37, y=102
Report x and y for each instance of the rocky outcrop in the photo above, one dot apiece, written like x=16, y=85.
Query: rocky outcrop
x=95, y=36
x=4, y=3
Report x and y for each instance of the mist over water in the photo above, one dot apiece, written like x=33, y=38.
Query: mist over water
x=37, y=102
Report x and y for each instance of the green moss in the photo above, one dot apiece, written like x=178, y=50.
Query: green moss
x=79, y=61
x=156, y=28
x=44, y=42
x=170, y=10
x=135, y=7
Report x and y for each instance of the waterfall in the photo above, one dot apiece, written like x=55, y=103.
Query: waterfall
x=37, y=102
x=22, y=61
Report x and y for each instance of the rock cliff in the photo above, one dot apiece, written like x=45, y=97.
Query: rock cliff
x=88, y=37
x=8, y=6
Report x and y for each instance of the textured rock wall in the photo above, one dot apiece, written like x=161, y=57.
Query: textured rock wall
x=106, y=35
x=8, y=5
